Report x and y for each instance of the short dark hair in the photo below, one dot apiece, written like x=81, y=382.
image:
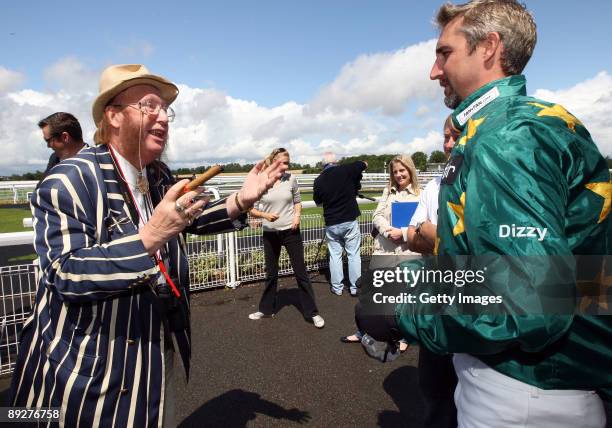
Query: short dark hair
x=61, y=122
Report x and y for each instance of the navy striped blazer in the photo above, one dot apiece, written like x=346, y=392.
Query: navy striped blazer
x=94, y=343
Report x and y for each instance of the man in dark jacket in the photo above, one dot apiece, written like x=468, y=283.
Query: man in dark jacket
x=62, y=133
x=336, y=188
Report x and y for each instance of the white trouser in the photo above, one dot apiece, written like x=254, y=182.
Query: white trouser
x=486, y=398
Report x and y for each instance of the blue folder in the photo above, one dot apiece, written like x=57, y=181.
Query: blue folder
x=401, y=213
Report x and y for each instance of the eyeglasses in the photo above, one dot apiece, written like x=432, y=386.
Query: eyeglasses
x=52, y=137
x=150, y=107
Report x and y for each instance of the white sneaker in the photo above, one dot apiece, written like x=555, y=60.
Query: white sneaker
x=256, y=315
x=318, y=321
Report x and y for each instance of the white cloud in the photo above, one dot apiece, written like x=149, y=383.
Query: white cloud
x=591, y=102
x=23, y=146
x=211, y=126
x=9, y=79
x=72, y=76
x=385, y=81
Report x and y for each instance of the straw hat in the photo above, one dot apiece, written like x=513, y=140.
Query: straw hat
x=118, y=78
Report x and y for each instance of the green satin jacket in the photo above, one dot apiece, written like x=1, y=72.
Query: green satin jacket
x=523, y=162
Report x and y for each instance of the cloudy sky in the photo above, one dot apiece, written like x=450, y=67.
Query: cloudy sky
x=350, y=76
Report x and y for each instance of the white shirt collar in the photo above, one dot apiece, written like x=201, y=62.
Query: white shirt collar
x=130, y=173
x=408, y=189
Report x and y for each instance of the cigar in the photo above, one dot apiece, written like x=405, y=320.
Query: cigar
x=202, y=178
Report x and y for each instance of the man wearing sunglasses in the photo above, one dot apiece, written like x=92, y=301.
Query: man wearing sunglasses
x=112, y=306
x=62, y=133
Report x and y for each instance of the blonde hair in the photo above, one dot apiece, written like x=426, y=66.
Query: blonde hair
x=104, y=130
x=274, y=153
x=102, y=134
x=509, y=18
x=409, y=165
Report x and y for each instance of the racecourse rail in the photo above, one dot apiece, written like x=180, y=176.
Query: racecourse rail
x=19, y=192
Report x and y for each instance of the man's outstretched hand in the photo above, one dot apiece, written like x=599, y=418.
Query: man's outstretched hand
x=259, y=180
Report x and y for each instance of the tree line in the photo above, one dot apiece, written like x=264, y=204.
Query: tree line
x=375, y=163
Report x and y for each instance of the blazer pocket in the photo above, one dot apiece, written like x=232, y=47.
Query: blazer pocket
x=71, y=358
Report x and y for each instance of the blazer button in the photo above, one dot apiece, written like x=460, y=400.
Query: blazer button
x=130, y=341
x=124, y=391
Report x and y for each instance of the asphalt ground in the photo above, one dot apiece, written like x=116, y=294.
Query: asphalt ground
x=284, y=372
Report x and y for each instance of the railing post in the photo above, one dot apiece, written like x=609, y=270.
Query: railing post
x=220, y=239
x=232, y=260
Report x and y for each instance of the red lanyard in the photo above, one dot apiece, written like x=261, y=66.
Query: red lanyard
x=158, y=259
x=163, y=269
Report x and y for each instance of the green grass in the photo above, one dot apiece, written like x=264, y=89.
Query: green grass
x=11, y=220
x=307, y=196
x=26, y=258
x=319, y=210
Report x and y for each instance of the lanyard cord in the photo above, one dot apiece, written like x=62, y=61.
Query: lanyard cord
x=148, y=207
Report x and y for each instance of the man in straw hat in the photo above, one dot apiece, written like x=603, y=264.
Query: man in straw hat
x=526, y=194
x=112, y=303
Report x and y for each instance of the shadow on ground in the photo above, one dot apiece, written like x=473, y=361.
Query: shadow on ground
x=236, y=408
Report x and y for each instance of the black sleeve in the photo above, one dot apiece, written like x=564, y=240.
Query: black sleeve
x=316, y=194
x=357, y=169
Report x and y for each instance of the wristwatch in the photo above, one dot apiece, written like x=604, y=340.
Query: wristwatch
x=418, y=227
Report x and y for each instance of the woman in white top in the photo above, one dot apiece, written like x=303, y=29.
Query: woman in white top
x=403, y=187
x=280, y=208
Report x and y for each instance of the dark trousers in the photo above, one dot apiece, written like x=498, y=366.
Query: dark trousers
x=272, y=243
x=437, y=382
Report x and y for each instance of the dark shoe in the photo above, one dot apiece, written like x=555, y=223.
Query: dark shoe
x=345, y=339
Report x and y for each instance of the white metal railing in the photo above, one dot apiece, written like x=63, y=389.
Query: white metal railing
x=214, y=261
x=18, y=192
x=18, y=287
x=210, y=265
